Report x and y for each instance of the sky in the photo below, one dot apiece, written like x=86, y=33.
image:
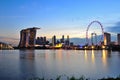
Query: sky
x=58, y=17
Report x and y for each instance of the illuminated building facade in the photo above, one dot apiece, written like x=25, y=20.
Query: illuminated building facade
x=27, y=37
x=118, y=38
x=107, y=39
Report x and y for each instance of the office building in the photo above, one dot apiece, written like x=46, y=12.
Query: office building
x=41, y=41
x=107, y=39
x=44, y=39
x=67, y=42
x=27, y=37
x=62, y=40
x=54, y=40
x=118, y=39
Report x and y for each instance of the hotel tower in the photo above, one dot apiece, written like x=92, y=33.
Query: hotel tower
x=27, y=37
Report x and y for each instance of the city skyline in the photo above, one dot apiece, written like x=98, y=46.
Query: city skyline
x=57, y=17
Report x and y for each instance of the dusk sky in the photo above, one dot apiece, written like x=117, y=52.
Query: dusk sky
x=57, y=17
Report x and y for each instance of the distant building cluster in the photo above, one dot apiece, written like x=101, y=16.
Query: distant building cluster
x=4, y=46
x=42, y=41
x=62, y=40
x=28, y=40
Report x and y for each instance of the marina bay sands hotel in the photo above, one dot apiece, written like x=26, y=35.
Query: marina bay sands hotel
x=27, y=37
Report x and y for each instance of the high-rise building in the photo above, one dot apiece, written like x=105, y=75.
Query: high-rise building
x=54, y=40
x=41, y=40
x=67, y=37
x=44, y=39
x=94, y=38
x=67, y=42
x=118, y=39
x=107, y=39
x=62, y=39
x=27, y=37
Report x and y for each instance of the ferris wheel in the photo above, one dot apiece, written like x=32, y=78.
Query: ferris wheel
x=94, y=33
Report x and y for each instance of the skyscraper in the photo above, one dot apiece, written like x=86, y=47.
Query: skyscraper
x=41, y=40
x=62, y=39
x=54, y=40
x=44, y=39
x=27, y=37
x=107, y=39
x=118, y=39
x=67, y=42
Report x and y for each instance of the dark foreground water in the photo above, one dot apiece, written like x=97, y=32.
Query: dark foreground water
x=26, y=64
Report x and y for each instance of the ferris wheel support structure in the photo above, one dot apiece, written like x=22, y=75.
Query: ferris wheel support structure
x=101, y=26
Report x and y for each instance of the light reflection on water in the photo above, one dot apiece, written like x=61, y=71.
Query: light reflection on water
x=104, y=57
x=93, y=57
x=27, y=54
x=25, y=64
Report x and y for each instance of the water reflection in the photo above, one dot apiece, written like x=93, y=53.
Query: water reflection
x=53, y=56
x=86, y=56
x=93, y=56
x=59, y=55
x=89, y=56
x=24, y=64
x=27, y=54
x=68, y=55
x=119, y=54
x=27, y=64
x=46, y=55
x=105, y=55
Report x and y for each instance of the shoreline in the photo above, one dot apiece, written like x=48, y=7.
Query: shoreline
x=43, y=48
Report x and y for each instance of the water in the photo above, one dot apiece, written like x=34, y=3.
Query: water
x=26, y=64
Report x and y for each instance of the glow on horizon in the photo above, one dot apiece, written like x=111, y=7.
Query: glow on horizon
x=59, y=34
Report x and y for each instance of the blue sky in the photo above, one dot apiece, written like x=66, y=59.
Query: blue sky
x=57, y=17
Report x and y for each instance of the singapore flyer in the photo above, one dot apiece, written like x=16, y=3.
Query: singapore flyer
x=94, y=33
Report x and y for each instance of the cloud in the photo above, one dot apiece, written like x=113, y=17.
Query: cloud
x=115, y=28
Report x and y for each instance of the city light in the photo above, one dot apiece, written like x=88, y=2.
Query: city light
x=59, y=45
x=93, y=47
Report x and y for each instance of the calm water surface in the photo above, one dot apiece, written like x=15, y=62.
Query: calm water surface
x=25, y=64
